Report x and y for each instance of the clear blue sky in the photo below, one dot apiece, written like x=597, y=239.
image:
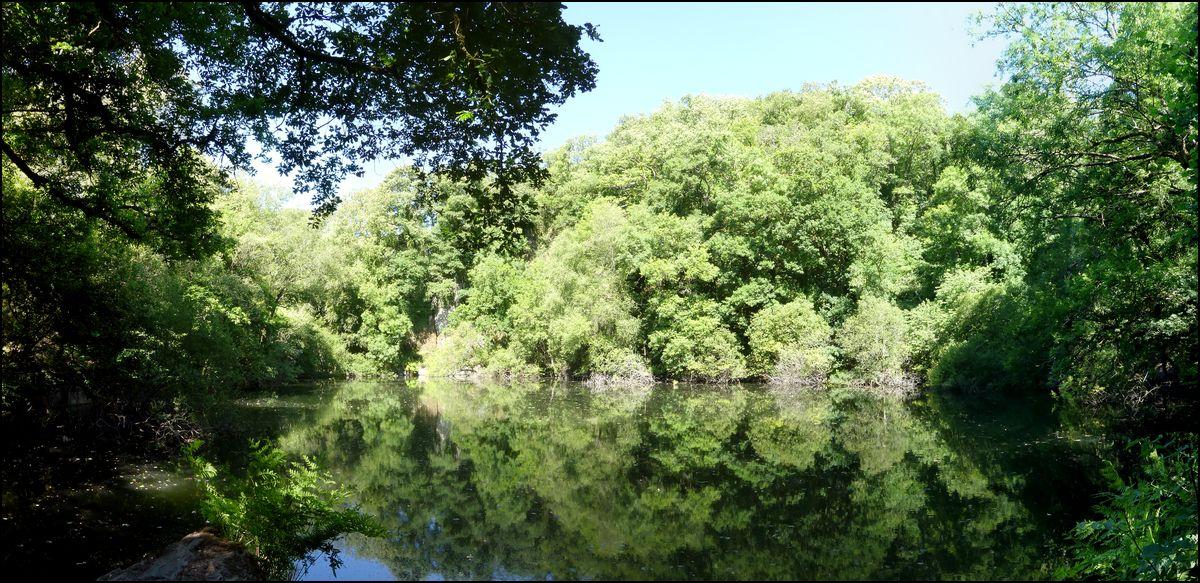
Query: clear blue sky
x=657, y=52
x=653, y=53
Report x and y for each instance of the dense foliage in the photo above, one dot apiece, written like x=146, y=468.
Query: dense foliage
x=135, y=269
x=108, y=320
x=855, y=234
x=1093, y=140
x=116, y=109
x=1147, y=529
x=836, y=235
x=282, y=512
x=1047, y=239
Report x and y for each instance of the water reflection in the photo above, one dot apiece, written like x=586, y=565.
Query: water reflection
x=537, y=481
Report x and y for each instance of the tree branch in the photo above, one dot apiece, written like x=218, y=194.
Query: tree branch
x=56, y=192
x=279, y=32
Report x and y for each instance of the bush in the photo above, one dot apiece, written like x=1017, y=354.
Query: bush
x=281, y=511
x=874, y=341
x=1147, y=529
x=693, y=344
x=791, y=342
x=801, y=368
x=576, y=309
x=309, y=350
x=979, y=335
x=621, y=370
x=458, y=351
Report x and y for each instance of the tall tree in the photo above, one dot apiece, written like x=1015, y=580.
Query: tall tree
x=1094, y=137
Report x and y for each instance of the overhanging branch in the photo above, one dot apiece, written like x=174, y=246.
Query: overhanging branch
x=57, y=193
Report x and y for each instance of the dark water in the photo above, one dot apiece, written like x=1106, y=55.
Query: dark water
x=682, y=482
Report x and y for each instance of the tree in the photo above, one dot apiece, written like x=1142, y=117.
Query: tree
x=1093, y=137
x=791, y=332
x=120, y=109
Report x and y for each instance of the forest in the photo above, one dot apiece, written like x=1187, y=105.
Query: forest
x=832, y=237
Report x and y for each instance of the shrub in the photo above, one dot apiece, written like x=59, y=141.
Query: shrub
x=281, y=511
x=801, y=367
x=791, y=342
x=308, y=349
x=692, y=343
x=621, y=370
x=1147, y=529
x=979, y=334
x=874, y=342
x=458, y=352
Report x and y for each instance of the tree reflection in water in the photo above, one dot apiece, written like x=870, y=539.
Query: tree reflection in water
x=692, y=482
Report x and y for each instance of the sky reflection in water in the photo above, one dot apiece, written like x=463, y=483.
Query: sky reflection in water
x=538, y=481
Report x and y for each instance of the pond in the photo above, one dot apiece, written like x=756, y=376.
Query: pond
x=683, y=482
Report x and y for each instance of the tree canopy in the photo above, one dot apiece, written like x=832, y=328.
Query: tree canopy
x=831, y=240
x=134, y=112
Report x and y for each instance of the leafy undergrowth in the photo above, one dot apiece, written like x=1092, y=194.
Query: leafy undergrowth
x=1148, y=525
x=281, y=510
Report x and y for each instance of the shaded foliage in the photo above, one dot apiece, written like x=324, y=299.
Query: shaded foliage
x=112, y=108
x=1147, y=529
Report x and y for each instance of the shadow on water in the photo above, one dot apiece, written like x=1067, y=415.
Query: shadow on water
x=79, y=510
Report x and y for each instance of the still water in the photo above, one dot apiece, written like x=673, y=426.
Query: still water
x=560, y=482
x=669, y=482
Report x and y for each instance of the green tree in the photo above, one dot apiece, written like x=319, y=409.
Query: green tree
x=1093, y=137
x=112, y=108
x=875, y=343
x=791, y=338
